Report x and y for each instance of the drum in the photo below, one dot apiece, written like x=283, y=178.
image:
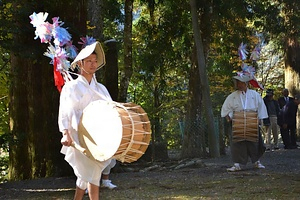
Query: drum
x=245, y=126
x=114, y=130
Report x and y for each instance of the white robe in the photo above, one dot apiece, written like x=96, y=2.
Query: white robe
x=249, y=101
x=75, y=96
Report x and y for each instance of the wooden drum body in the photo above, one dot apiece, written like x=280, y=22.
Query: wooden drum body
x=114, y=130
x=136, y=132
x=245, y=126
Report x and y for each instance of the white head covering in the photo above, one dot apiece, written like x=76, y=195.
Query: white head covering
x=88, y=50
x=247, y=75
x=243, y=78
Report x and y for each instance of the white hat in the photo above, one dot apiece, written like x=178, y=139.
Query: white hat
x=88, y=50
x=243, y=78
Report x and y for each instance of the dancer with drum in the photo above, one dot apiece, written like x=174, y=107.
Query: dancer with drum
x=245, y=109
x=91, y=143
x=75, y=96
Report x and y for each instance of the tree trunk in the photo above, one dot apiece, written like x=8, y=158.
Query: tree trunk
x=108, y=74
x=126, y=76
x=213, y=141
x=33, y=113
x=19, y=156
x=292, y=70
x=35, y=148
x=111, y=69
x=158, y=145
x=194, y=137
x=95, y=18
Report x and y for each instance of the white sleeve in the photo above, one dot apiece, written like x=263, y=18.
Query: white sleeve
x=64, y=109
x=261, y=110
x=227, y=107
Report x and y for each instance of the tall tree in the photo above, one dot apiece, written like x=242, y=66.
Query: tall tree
x=95, y=18
x=291, y=23
x=213, y=139
x=34, y=151
x=194, y=143
x=280, y=18
x=291, y=18
x=126, y=75
x=108, y=74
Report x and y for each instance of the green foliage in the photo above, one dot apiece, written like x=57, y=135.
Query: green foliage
x=113, y=20
x=161, y=66
x=4, y=117
x=5, y=25
x=4, y=83
x=3, y=165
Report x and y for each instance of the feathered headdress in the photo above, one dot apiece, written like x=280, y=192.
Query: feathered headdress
x=60, y=49
x=248, y=72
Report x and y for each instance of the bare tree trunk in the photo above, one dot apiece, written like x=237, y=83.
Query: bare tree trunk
x=35, y=148
x=33, y=112
x=194, y=137
x=111, y=69
x=95, y=17
x=19, y=157
x=108, y=74
x=292, y=70
x=126, y=76
x=213, y=141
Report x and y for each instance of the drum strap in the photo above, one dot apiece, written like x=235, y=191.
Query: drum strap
x=104, y=97
x=244, y=103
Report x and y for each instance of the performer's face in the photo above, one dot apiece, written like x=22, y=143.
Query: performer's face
x=242, y=86
x=89, y=64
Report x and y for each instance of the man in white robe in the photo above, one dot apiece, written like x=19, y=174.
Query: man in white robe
x=245, y=99
x=75, y=96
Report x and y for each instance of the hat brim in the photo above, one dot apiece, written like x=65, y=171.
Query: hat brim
x=242, y=78
x=88, y=50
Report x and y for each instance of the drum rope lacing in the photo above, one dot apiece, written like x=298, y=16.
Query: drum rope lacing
x=132, y=135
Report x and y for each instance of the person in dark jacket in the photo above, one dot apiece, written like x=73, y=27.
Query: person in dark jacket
x=285, y=98
x=287, y=122
x=271, y=122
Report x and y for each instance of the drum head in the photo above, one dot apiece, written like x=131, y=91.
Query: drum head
x=100, y=130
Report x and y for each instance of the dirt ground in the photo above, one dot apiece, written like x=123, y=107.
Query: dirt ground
x=207, y=179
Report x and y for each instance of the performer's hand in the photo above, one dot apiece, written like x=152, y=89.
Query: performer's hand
x=66, y=140
x=228, y=118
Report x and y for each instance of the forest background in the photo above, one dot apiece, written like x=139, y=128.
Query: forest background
x=174, y=58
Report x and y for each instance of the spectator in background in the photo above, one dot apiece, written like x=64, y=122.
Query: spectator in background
x=271, y=122
x=285, y=98
x=287, y=122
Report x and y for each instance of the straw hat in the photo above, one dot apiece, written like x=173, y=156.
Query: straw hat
x=243, y=78
x=88, y=50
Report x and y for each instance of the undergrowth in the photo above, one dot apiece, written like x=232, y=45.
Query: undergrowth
x=3, y=166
